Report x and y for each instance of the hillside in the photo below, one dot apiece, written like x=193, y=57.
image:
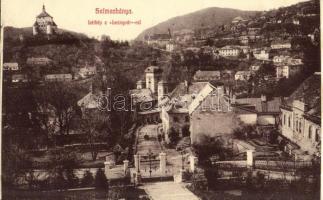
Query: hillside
x=14, y=33
x=210, y=17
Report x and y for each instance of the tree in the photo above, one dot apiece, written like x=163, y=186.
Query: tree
x=95, y=125
x=173, y=136
x=87, y=179
x=58, y=102
x=101, y=181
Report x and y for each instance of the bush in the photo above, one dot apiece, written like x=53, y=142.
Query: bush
x=87, y=180
x=72, y=180
x=101, y=181
x=173, y=136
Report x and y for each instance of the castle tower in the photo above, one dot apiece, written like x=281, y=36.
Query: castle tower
x=162, y=90
x=44, y=23
x=153, y=76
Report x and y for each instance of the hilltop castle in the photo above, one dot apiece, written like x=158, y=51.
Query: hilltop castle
x=44, y=24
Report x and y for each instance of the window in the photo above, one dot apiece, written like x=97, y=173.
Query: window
x=288, y=121
x=310, y=132
x=317, y=135
x=284, y=119
x=175, y=119
x=300, y=127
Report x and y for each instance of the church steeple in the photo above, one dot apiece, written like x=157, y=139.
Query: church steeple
x=44, y=8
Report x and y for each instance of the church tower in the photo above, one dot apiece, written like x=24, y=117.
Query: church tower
x=153, y=76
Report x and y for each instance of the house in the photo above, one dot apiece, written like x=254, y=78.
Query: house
x=19, y=78
x=170, y=47
x=262, y=110
x=301, y=119
x=288, y=71
x=262, y=54
x=159, y=39
x=95, y=99
x=238, y=20
x=40, y=61
x=153, y=76
x=279, y=44
x=174, y=108
x=58, y=77
x=10, y=66
x=44, y=24
x=242, y=75
x=230, y=51
x=207, y=75
x=281, y=59
x=296, y=21
x=87, y=71
x=211, y=114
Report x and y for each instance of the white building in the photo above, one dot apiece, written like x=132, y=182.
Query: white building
x=230, y=51
x=301, y=118
x=10, y=66
x=281, y=44
x=242, y=75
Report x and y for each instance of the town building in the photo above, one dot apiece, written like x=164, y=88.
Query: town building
x=242, y=75
x=207, y=75
x=10, y=66
x=58, y=77
x=211, y=114
x=87, y=71
x=287, y=71
x=238, y=19
x=261, y=54
x=281, y=44
x=170, y=47
x=44, y=24
x=161, y=40
x=39, y=61
x=301, y=119
x=174, y=108
x=230, y=51
x=19, y=78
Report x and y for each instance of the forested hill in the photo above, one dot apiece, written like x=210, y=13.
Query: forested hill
x=209, y=17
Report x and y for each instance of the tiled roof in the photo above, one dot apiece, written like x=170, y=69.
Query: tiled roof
x=43, y=14
x=141, y=95
x=256, y=104
x=309, y=92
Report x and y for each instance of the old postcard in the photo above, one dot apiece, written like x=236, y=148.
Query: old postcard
x=160, y=99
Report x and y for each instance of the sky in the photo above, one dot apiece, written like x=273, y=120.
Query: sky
x=74, y=15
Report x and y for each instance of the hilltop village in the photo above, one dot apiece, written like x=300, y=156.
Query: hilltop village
x=234, y=105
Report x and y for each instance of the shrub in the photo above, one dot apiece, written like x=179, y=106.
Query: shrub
x=173, y=136
x=87, y=180
x=71, y=179
x=100, y=181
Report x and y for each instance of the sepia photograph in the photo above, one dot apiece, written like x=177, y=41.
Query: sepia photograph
x=160, y=100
